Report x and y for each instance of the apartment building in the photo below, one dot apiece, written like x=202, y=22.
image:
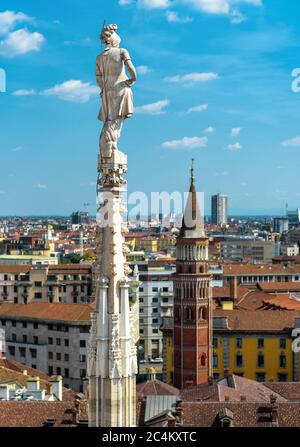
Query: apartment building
x=251, y=250
x=156, y=302
x=50, y=337
x=22, y=284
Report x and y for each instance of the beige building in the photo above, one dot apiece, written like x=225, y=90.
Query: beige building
x=22, y=284
x=50, y=337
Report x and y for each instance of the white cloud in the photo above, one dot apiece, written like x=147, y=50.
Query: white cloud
x=235, y=131
x=155, y=108
x=293, y=142
x=21, y=41
x=154, y=4
x=143, y=69
x=200, y=108
x=218, y=6
x=234, y=147
x=73, y=91
x=210, y=129
x=193, y=77
x=9, y=19
x=40, y=186
x=173, y=17
x=125, y=2
x=24, y=92
x=186, y=143
x=237, y=17
x=2, y=192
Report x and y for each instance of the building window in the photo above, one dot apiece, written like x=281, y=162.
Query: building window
x=24, y=324
x=282, y=360
x=66, y=357
x=155, y=331
x=58, y=342
x=14, y=337
x=260, y=377
x=282, y=377
x=58, y=356
x=82, y=358
x=155, y=310
x=35, y=326
x=282, y=343
x=22, y=352
x=239, y=360
x=50, y=341
x=33, y=353
x=82, y=343
x=38, y=296
x=239, y=343
x=215, y=342
x=50, y=355
x=66, y=372
x=58, y=371
x=36, y=340
x=190, y=314
x=154, y=300
x=260, y=343
x=141, y=289
x=82, y=373
x=215, y=360
x=50, y=370
x=66, y=342
x=203, y=360
x=260, y=360
x=11, y=350
x=154, y=289
x=154, y=320
x=141, y=300
x=13, y=323
x=24, y=338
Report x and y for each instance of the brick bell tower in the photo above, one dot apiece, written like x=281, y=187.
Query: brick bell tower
x=192, y=299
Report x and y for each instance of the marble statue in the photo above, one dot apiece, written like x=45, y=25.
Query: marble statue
x=116, y=93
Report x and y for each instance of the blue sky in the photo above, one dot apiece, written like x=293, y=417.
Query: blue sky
x=214, y=84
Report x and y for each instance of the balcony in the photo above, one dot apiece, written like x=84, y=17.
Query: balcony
x=165, y=294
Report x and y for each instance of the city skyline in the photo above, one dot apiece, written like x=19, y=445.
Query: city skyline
x=228, y=102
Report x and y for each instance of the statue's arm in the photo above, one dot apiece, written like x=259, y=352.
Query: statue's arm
x=130, y=67
x=99, y=75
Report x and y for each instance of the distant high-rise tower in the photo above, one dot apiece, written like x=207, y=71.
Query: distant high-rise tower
x=219, y=209
x=192, y=299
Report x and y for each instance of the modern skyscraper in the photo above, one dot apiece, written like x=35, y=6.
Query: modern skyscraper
x=192, y=300
x=219, y=209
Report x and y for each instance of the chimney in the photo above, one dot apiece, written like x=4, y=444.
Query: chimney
x=233, y=288
x=4, y=392
x=33, y=383
x=56, y=383
x=274, y=410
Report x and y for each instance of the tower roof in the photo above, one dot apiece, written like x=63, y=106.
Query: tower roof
x=192, y=221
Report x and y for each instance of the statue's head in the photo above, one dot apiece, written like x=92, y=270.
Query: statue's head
x=109, y=36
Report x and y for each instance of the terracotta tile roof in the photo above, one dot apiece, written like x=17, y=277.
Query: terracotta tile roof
x=245, y=414
x=202, y=392
x=48, y=311
x=279, y=286
x=259, y=269
x=283, y=301
x=35, y=414
x=254, y=300
x=233, y=388
x=155, y=387
x=224, y=292
x=259, y=320
x=288, y=390
x=16, y=269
